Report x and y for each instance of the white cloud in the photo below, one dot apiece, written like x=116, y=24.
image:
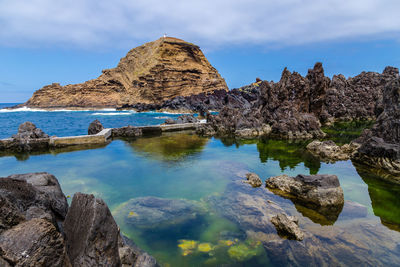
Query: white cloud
x=98, y=23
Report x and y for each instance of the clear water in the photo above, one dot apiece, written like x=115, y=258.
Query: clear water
x=191, y=169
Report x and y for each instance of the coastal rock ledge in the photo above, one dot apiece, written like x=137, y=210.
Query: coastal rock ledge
x=151, y=73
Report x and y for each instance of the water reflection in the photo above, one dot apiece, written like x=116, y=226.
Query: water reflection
x=289, y=155
x=169, y=147
x=384, y=198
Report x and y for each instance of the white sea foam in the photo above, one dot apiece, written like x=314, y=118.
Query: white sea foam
x=112, y=113
x=26, y=109
x=161, y=117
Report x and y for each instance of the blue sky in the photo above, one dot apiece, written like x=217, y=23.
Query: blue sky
x=45, y=41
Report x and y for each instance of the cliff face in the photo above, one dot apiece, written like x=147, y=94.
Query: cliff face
x=151, y=73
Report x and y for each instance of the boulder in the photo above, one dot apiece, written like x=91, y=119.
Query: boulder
x=91, y=234
x=95, y=127
x=287, y=226
x=28, y=130
x=34, y=243
x=187, y=119
x=28, y=138
x=253, y=179
x=152, y=212
x=328, y=151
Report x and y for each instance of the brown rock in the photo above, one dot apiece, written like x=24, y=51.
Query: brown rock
x=151, y=73
x=287, y=226
x=95, y=127
x=253, y=179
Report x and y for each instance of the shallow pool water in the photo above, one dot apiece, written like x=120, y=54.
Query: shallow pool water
x=181, y=198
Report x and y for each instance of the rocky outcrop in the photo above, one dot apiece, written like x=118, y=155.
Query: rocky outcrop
x=182, y=119
x=151, y=73
x=287, y=226
x=328, y=151
x=28, y=138
x=253, y=179
x=95, y=127
x=380, y=147
x=320, y=193
x=38, y=229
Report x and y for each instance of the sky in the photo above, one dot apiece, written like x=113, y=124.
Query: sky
x=46, y=41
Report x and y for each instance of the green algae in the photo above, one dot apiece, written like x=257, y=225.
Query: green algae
x=246, y=250
x=344, y=132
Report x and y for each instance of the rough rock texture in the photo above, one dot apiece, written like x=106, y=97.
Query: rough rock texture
x=328, y=151
x=182, y=119
x=296, y=106
x=151, y=73
x=132, y=256
x=34, y=243
x=380, y=147
x=253, y=179
x=91, y=233
x=95, y=127
x=287, y=226
x=32, y=195
x=150, y=212
x=28, y=138
x=319, y=193
x=127, y=131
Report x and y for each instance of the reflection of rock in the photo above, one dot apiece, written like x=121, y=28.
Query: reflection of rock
x=253, y=179
x=170, y=147
x=95, y=127
x=330, y=152
x=288, y=154
x=319, y=193
x=384, y=198
x=287, y=226
x=153, y=212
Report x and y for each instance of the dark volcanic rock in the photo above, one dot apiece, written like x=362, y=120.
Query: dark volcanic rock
x=34, y=243
x=381, y=145
x=320, y=193
x=91, y=233
x=27, y=139
x=182, y=119
x=127, y=131
x=95, y=127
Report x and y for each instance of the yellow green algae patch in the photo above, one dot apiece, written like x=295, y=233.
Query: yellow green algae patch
x=205, y=247
x=245, y=251
x=187, y=246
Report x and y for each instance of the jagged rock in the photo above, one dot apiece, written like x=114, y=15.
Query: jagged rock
x=95, y=127
x=151, y=73
x=287, y=226
x=170, y=121
x=151, y=212
x=32, y=195
x=330, y=152
x=187, y=119
x=253, y=179
x=91, y=234
x=34, y=243
x=318, y=193
x=28, y=138
x=28, y=130
x=127, y=131
x=380, y=147
x=132, y=255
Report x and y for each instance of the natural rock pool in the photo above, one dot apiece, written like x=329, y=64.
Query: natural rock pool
x=181, y=198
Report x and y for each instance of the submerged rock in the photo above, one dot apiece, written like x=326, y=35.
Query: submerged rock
x=153, y=212
x=330, y=152
x=253, y=179
x=95, y=127
x=287, y=226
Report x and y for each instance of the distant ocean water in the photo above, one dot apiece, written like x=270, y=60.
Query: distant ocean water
x=67, y=123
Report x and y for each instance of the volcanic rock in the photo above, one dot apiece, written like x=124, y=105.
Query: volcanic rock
x=151, y=73
x=287, y=226
x=91, y=233
x=28, y=138
x=253, y=179
x=330, y=152
x=95, y=127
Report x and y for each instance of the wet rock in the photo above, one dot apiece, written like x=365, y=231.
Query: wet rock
x=28, y=138
x=287, y=226
x=132, y=255
x=186, y=119
x=28, y=130
x=153, y=212
x=95, y=127
x=91, y=234
x=34, y=243
x=330, y=152
x=253, y=179
x=127, y=131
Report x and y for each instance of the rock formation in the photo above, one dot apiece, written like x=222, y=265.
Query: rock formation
x=328, y=151
x=151, y=73
x=381, y=145
x=253, y=179
x=95, y=127
x=318, y=193
x=287, y=226
x=38, y=229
